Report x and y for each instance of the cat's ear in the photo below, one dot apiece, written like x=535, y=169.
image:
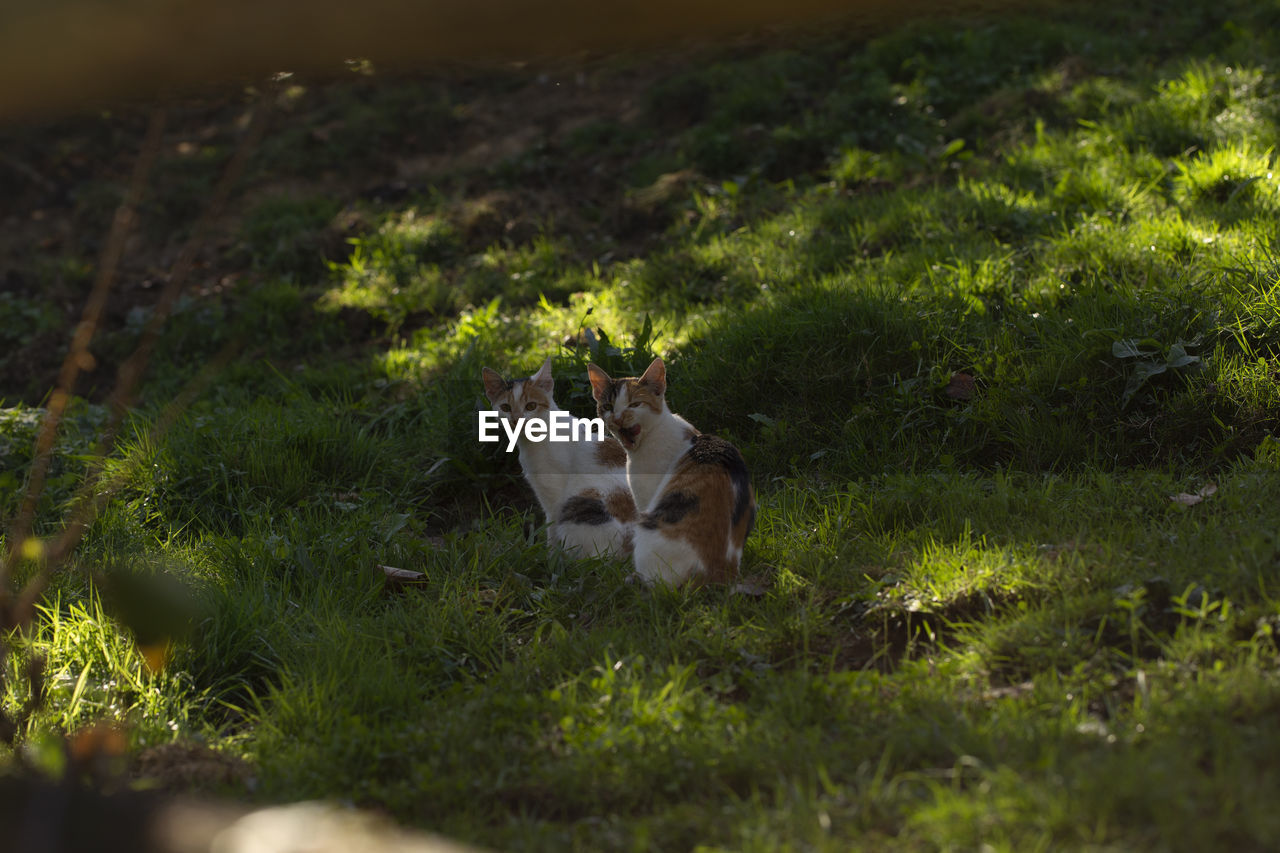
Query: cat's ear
x=600, y=381
x=543, y=379
x=655, y=376
x=494, y=385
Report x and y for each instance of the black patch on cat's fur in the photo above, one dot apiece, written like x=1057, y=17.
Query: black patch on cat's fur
x=713, y=450
x=673, y=507
x=582, y=510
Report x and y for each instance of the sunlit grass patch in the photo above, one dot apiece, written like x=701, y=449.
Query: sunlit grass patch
x=1229, y=182
x=1204, y=106
x=857, y=166
x=417, y=267
x=1086, y=172
x=97, y=670
x=395, y=271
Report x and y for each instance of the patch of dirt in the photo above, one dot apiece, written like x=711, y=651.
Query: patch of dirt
x=891, y=629
x=185, y=766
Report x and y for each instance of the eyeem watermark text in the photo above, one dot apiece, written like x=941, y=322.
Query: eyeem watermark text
x=562, y=427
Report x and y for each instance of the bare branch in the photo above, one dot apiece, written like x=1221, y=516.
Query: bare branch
x=78, y=354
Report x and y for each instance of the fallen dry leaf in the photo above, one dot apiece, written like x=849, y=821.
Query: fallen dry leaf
x=156, y=655
x=1186, y=499
x=961, y=387
x=398, y=579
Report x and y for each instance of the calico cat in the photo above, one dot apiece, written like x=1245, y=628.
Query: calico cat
x=693, y=490
x=581, y=485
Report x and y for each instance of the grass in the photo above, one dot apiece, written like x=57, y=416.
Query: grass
x=986, y=622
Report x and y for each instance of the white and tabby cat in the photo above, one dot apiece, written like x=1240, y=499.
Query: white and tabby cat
x=693, y=490
x=581, y=485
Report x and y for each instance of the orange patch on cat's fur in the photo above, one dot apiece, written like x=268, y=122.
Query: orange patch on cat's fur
x=621, y=505
x=534, y=394
x=709, y=505
x=708, y=526
x=642, y=392
x=609, y=452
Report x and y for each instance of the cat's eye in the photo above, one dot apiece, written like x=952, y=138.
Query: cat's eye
x=506, y=407
x=607, y=407
x=633, y=405
x=529, y=407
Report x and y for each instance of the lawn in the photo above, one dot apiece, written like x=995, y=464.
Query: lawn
x=990, y=305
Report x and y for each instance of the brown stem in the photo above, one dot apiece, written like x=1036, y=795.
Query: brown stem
x=78, y=354
x=92, y=494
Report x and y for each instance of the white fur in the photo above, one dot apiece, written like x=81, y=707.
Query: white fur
x=659, y=559
x=732, y=553
x=558, y=470
x=653, y=454
x=663, y=439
